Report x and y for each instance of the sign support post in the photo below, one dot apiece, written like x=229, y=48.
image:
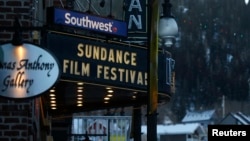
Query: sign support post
x=153, y=18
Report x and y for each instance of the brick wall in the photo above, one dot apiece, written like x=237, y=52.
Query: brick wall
x=9, y=9
x=16, y=121
x=25, y=10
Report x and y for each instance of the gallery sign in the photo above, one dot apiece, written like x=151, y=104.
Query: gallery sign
x=103, y=62
x=85, y=21
x=26, y=70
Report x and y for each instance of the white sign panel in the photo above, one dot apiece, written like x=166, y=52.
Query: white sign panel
x=26, y=70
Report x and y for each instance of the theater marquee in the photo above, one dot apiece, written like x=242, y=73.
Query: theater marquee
x=103, y=62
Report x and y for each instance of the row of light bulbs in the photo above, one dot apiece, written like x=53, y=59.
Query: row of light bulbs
x=53, y=104
x=79, y=98
x=110, y=92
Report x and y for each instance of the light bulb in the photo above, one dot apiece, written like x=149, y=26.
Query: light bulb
x=246, y=2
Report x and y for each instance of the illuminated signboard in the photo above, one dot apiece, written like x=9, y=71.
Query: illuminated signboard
x=26, y=70
x=104, y=62
x=86, y=22
x=136, y=17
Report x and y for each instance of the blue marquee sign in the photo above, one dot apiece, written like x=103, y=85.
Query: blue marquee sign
x=86, y=21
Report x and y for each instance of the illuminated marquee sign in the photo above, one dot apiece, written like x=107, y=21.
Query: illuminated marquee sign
x=100, y=62
x=86, y=21
x=26, y=70
x=136, y=17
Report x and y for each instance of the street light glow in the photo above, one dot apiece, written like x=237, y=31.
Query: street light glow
x=246, y=2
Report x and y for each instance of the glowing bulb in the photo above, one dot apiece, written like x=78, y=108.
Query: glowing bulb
x=79, y=98
x=110, y=91
x=106, y=98
x=79, y=83
x=109, y=95
x=79, y=95
x=79, y=102
x=52, y=90
x=79, y=91
x=246, y=2
x=52, y=95
x=53, y=108
x=52, y=98
x=79, y=105
x=52, y=101
x=53, y=105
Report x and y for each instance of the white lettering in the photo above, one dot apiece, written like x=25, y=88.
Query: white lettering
x=216, y=132
x=137, y=22
x=87, y=23
x=122, y=75
x=135, y=4
x=104, y=54
x=135, y=7
x=76, y=68
x=65, y=65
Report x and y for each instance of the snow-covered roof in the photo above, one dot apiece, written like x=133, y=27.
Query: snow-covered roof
x=198, y=116
x=242, y=118
x=188, y=128
x=239, y=117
